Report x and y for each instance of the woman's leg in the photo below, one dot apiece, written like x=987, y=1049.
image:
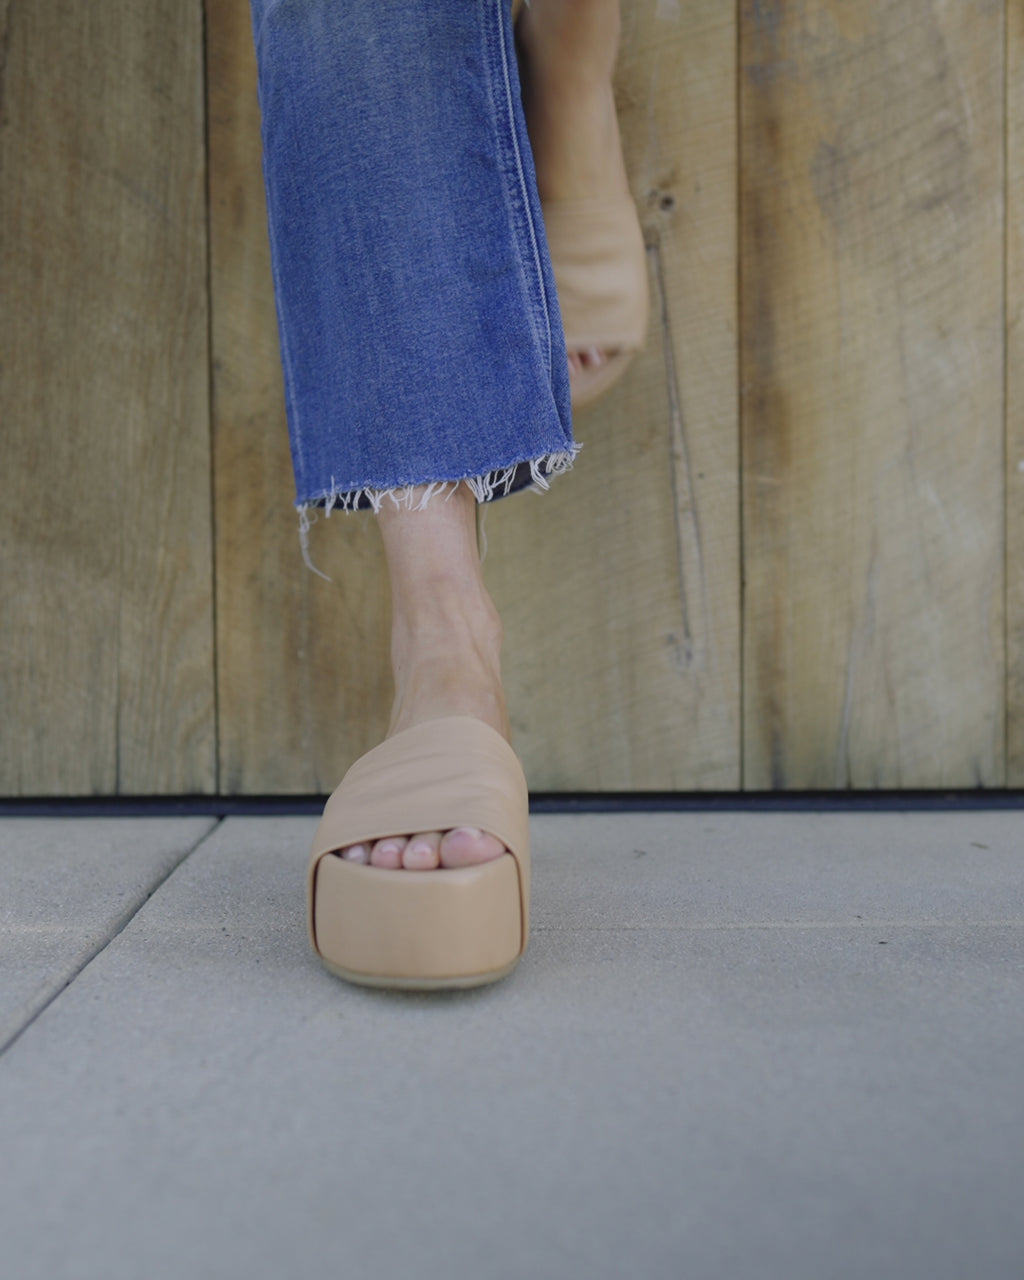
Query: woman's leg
x=424, y=362
x=445, y=650
x=422, y=349
x=446, y=633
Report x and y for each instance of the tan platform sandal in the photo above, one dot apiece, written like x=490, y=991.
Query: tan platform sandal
x=424, y=929
x=600, y=265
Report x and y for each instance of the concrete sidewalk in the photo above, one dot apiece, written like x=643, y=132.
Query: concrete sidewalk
x=740, y=1045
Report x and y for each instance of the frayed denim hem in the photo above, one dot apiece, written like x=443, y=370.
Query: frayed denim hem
x=531, y=473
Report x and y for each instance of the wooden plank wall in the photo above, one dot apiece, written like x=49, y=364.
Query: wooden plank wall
x=872, y=242
x=106, y=678
x=1015, y=394
x=303, y=678
x=792, y=553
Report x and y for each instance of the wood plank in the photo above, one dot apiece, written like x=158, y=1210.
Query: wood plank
x=619, y=588
x=106, y=674
x=304, y=683
x=1015, y=395
x=872, y=379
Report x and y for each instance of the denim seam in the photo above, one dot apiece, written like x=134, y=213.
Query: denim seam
x=522, y=213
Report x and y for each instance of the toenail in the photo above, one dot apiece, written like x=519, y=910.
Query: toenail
x=389, y=846
x=357, y=853
x=474, y=833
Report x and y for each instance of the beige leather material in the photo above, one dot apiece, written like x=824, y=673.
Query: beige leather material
x=600, y=266
x=424, y=925
x=424, y=928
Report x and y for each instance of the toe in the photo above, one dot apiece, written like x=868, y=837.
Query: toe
x=388, y=853
x=587, y=359
x=356, y=853
x=422, y=853
x=466, y=846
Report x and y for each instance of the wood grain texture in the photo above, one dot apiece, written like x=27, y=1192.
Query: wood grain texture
x=872, y=384
x=1015, y=394
x=106, y=674
x=304, y=683
x=619, y=588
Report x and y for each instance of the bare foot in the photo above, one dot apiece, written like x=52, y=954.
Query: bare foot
x=445, y=653
x=567, y=51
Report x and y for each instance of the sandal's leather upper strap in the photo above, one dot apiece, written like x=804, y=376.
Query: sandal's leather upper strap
x=597, y=252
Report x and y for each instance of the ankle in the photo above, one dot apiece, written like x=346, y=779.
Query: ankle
x=448, y=605
x=455, y=642
x=447, y=674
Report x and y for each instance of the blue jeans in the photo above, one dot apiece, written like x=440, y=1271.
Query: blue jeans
x=420, y=334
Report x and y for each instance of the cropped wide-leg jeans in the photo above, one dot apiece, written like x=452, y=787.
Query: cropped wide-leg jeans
x=420, y=335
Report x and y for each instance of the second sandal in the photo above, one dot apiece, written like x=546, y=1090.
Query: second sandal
x=600, y=266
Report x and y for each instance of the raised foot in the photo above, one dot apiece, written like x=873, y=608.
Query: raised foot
x=567, y=51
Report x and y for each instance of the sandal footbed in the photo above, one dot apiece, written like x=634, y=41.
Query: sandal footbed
x=463, y=983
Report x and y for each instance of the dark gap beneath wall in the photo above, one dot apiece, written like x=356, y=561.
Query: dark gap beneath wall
x=541, y=802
